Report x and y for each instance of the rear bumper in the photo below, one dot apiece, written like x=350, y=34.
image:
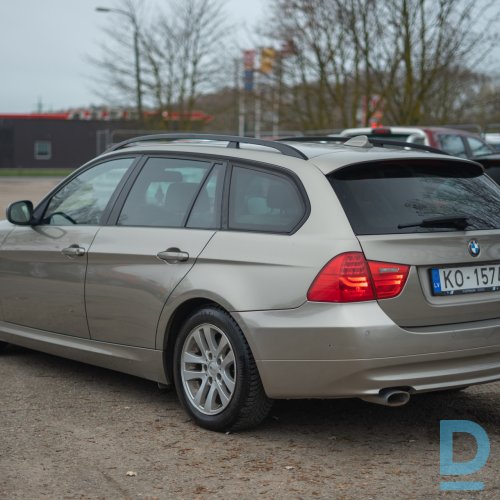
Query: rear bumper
x=355, y=350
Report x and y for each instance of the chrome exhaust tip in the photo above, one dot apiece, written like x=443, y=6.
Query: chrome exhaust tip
x=389, y=397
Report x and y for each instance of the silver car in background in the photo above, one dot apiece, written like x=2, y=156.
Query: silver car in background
x=243, y=271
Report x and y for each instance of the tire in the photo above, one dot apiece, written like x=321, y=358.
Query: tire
x=215, y=375
x=3, y=345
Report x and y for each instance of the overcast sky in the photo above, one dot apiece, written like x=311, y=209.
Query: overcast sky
x=44, y=44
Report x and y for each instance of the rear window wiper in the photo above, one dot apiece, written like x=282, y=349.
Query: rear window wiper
x=458, y=221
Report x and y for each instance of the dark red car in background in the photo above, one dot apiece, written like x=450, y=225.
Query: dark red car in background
x=456, y=142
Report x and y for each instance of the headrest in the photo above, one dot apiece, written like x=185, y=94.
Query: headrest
x=179, y=195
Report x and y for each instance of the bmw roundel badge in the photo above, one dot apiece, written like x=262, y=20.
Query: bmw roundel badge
x=474, y=248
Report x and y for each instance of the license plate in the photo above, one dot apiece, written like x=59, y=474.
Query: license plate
x=470, y=279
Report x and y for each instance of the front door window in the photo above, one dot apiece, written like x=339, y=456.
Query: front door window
x=84, y=199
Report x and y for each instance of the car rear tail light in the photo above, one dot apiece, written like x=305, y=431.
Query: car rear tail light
x=349, y=277
x=388, y=279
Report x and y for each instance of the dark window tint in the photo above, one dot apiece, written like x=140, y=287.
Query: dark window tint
x=83, y=199
x=206, y=209
x=163, y=192
x=379, y=198
x=261, y=201
x=494, y=173
x=453, y=145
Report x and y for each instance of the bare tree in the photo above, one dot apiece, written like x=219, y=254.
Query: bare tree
x=118, y=80
x=186, y=56
x=357, y=55
x=181, y=55
x=439, y=41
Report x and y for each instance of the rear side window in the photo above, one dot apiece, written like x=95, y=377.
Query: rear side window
x=263, y=201
x=394, y=198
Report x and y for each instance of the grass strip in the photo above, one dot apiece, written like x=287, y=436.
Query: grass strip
x=35, y=172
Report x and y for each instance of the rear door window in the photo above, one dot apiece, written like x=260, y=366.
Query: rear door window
x=398, y=197
x=164, y=192
x=205, y=213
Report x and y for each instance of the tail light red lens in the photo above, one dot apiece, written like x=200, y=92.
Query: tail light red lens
x=388, y=279
x=349, y=277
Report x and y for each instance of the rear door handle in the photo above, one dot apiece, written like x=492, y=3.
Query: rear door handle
x=173, y=255
x=73, y=251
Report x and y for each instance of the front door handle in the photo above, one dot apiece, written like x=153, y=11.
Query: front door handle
x=173, y=255
x=73, y=251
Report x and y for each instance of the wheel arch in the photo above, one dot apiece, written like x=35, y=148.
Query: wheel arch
x=248, y=403
x=177, y=317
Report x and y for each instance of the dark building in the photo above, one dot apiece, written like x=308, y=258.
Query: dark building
x=69, y=139
x=54, y=140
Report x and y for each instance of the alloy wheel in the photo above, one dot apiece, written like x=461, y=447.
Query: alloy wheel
x=208, y=369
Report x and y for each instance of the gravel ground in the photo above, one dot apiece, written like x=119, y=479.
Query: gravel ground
x=69, y=430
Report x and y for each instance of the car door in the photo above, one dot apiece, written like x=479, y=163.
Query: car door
x=42, y=267
x=165, y=220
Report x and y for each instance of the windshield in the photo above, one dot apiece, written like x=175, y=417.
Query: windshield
x=401, y=197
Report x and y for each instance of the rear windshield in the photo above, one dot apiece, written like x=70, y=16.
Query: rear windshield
x=380, y=198
x=494, y=173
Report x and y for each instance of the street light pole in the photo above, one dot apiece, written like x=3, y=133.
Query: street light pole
x=133, y=20
x=138, y=88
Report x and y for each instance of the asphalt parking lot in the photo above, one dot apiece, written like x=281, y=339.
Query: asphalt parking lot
x=69, y=430
x=24, y=188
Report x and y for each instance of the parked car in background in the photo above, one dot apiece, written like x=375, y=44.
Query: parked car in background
x=493, y=139
x=453, y=141
x=242, y=271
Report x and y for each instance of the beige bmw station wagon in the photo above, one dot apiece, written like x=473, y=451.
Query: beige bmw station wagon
x=243, y=270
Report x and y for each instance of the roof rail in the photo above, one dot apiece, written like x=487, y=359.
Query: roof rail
x=233, y=141
x=376, y=141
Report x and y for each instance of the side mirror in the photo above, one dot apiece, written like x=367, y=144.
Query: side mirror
x=20, y=213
